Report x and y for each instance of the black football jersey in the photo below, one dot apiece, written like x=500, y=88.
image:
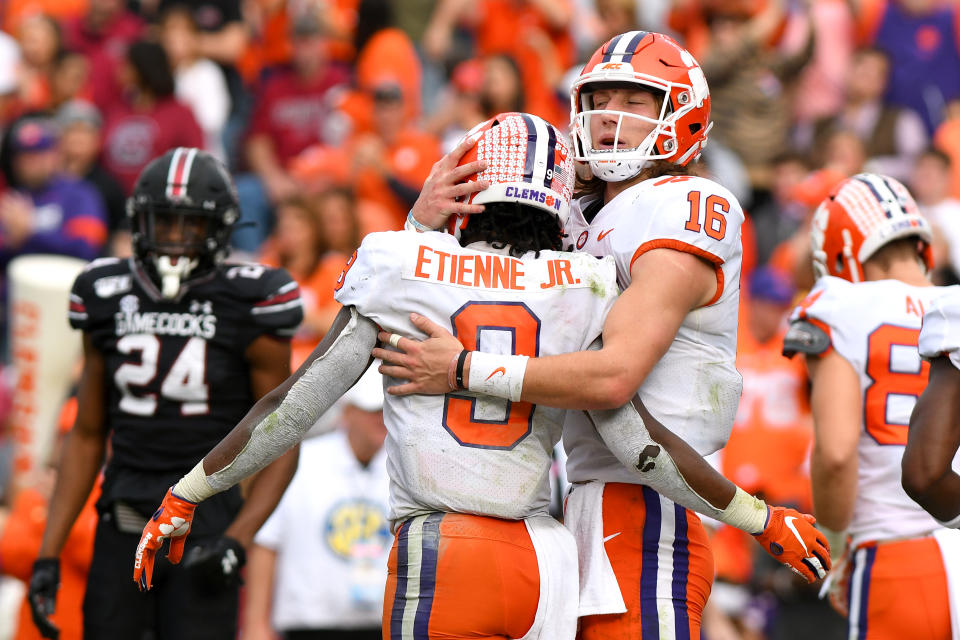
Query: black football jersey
x=178, y=381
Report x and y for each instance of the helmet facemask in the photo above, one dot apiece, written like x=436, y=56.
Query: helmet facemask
x=176, y=243
x=607, y=159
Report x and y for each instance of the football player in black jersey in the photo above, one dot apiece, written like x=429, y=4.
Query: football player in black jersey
x=178, y=346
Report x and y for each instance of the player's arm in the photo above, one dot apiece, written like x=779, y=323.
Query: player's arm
x=258, y=594
x=667, y=464
x=932, y=443
x=835, y=400
x=269, y=360
x=83, y=453
x=666, y=285
x=277, y=422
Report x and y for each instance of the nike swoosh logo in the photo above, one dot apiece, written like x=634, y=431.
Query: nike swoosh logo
x=603, y=234
x=789, y=522
x=499, y=370
x=612, y=536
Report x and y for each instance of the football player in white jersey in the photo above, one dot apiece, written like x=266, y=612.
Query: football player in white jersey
x=640, y=112
x=475, y=554
x=859, y=329
x=928, y=475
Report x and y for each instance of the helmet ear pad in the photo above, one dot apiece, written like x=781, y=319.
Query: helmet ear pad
x=181, y=185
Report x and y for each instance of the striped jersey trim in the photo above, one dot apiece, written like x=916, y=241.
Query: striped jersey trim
x=418, y=547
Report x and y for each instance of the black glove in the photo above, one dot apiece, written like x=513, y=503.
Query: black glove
x=43, y=595
x=216, y=566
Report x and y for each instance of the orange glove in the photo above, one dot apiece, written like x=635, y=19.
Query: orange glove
x=790, y=537
x=172, y=520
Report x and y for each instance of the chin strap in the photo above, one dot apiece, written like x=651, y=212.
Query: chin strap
x=173, y=273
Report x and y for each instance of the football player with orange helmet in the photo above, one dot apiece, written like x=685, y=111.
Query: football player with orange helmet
x=859, y=330
x=640, y=113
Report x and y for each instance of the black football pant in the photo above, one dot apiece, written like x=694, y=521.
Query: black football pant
x=174, y=609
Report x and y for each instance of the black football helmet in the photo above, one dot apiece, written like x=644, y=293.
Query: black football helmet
x=182, y=212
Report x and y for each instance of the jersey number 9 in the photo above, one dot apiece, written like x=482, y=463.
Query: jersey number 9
x=501, y=325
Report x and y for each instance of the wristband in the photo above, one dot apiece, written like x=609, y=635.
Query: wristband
x=951, y=524
x=413, y=225
x=745, y=513
x=497, y=375
x=193, y=486
x=460, y=360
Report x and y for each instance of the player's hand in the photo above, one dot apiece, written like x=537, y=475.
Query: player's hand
x=216, y=567
x=425, y=364
x=791, y=538
x=42, y=595
x=172, y=520
x=439, y=197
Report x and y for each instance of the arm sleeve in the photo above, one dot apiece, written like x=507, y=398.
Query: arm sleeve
x=328, y=373
x=626, y=435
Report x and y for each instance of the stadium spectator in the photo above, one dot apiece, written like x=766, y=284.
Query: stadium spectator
x=922, y=40
x=930, y=185
x=290, y=113
x=81, y=127
x=947, y=139
x=892, y=135
x=150, y=120
x=750, y=88
x=536, y=34
x=102, y=35
x=318, y=566
x=40, y=44
x=223, y=33
x=393, y=160
x=299, y=244
x=43, y=210
x=199, y=82
x=459, y=107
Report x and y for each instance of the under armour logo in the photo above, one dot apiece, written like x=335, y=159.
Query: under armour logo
x=229, y=562
x=197, y=307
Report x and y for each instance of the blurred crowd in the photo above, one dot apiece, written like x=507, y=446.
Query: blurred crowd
x=331, y=113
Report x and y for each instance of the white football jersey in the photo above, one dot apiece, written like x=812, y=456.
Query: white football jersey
x=460, y=452
x=875, y=326
x=940, y=334
x=694, y=389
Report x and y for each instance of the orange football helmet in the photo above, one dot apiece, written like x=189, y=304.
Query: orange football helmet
x=657, y=63
x=862, y=214
x=528, y=161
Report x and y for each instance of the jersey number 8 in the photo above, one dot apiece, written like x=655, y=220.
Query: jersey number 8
x=474, y=322
x=896, y=382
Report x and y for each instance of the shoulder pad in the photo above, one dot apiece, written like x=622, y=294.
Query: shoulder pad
x=804, y=336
